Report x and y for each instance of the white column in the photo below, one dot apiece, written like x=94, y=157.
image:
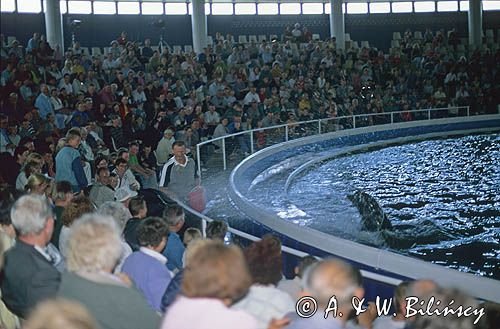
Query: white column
x=337, y=27
x=475, y=23
x=53, y=24
x=199, y=26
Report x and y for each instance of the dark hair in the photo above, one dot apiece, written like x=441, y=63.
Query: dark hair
x=119, y=161
x=264, y=260
x=216, y=230
x=7, y=199
x=60, y=190
x=73, y=133
x=19, y=151
x=101, y=169
x=178, y=143
x=304, y=263
x=136, y=204
x=76, y=209
x=151, y=231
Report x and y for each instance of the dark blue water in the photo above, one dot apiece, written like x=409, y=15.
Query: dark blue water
x=442, y=197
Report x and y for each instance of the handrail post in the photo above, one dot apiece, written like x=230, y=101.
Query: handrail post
x=204, y=227
x=468, y=111
x=198, y=159
x=286, y=133
x=392, y=117
x=224, y=153
x=319, y=127
x=429, y=114
x=354, y=121
x=251, y=142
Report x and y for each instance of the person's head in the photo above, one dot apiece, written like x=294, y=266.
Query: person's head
x=6, y=226
x=73, y=137
x=93, y=244
x=116, y=211
x=60, y=314
x=400, y=294
x=191, y=235
x=179, y=150
x=101, y=161
x=103, y=175
x=121, y=166
x=75, y=209
x=134, y=148
x=152, y=233
x=215, y=271
x=37, y=184
x=264, y=260
x=303, y=264
x=174, y=217
x=62, y=193
x=421, y=288
x=21, y=154
x=217, y=230
x=113, y=180
x=137, y=207
x=447, y=297
x=168, y=133
x=331, y=277
x=33, y=219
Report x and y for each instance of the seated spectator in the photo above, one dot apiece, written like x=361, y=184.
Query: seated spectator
x=174, y=217
x=398, y=321
x=147, y=176
x=322, y=281
x=74, y=210
x=216, y=277
x=217, y=230
x=146, y=267
x=29, y=275
x=121, y=215
x=37, y=184
x=60, y=314
x=94, y=248
x=294, y=287
x=126, y=178
x=138, y=209
x=100, y=191
x=264, y=301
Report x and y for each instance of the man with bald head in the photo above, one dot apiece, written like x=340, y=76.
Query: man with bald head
x=330, y=277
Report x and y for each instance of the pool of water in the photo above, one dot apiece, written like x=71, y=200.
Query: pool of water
x=442, y=197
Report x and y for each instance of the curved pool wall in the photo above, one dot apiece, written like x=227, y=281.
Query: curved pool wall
x=381, y=269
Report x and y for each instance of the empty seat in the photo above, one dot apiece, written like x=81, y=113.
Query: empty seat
x=395, y=44
x=96, y=51
x=188, y=49
x=316, y=36
x=252, y=38
x=365, y=44
x=262, y=38
x=396, y=36
x=347, y=37
x=210, y=40
x=10, y=40
x=85, y=51
x=490, y=35
x=154, y=48
x=418, y=35
x=242, y=39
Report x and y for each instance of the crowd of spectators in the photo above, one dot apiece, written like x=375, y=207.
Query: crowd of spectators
x=82, y=135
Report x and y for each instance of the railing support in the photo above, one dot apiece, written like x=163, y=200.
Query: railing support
x=251, y=142
x=198, y=159
x=224, y=153
x=286, y=133
x=429, y=114
x=354, y=121
x=468, y=111
x=319, y=127
x=392, y=117
x=204, y=227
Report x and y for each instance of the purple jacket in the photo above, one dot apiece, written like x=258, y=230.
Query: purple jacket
x=149, y=274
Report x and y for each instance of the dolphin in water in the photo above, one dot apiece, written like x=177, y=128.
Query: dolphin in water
x=373, y=218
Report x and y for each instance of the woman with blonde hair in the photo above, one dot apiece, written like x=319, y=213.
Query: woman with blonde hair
x=38, y=184
x=60, y=314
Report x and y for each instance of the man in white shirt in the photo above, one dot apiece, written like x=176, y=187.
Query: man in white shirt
x=164, y=149
x=251, y=96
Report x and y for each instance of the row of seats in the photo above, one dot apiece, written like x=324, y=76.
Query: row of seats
x=418, y=35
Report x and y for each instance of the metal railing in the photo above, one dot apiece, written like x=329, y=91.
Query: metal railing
x=299, y=129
